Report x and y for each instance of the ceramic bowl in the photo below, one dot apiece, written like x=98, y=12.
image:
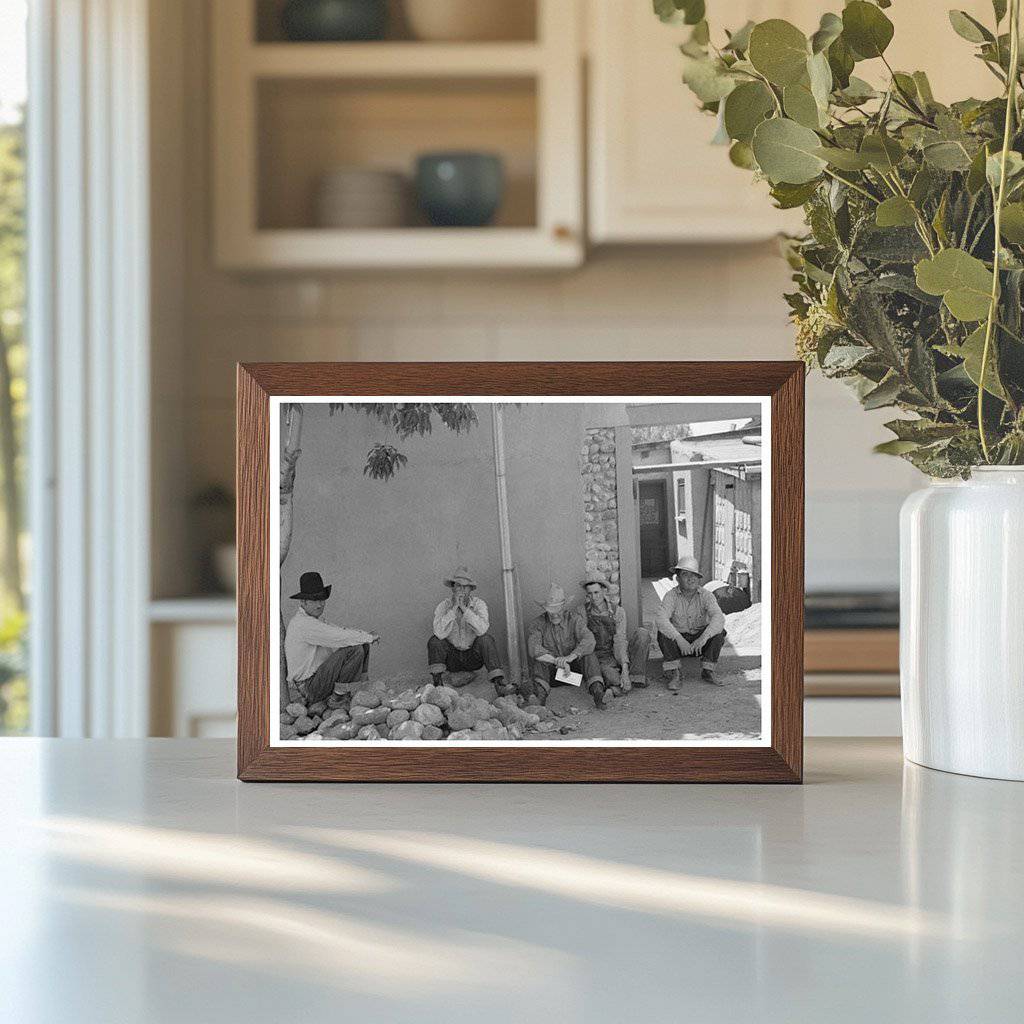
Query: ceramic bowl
x=460, y=189
x=333, y=21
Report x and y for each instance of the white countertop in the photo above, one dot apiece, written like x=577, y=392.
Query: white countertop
x=140, y=882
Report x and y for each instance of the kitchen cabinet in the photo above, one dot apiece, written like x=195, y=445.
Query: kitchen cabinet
x=654, y=177
x=287, y=114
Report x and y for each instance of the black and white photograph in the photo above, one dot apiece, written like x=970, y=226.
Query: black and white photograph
x=522, y=569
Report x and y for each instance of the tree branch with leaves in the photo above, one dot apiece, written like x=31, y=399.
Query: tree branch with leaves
x=910, y=278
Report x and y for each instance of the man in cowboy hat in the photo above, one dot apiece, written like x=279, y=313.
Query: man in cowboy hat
x=622, y=657
x=690, y=623
x=323, y=660
x=460, y=642
x=559, y=639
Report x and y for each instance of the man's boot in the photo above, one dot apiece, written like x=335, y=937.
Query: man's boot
x=596, y=691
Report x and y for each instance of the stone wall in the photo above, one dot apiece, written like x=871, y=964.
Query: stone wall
x=600, y=504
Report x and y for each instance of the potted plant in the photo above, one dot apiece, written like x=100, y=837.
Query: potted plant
x=909, y=288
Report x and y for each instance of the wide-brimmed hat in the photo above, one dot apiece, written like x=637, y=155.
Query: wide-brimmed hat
x=556, y=601
x=688, y=564
x=311, y=588
x=461, y=575
x=595, y=577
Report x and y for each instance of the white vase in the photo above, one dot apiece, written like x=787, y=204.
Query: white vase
x=962, y=624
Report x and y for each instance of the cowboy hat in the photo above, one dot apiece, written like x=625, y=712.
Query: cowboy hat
x=461, y=575
x=688, y=564
x=595, y=577
x=556, y=601
x=311, y=588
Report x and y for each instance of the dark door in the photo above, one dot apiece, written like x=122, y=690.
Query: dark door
x=653, y=508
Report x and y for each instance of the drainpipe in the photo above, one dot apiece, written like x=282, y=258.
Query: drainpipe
x=507, y=570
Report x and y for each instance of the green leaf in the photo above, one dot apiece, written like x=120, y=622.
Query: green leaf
x=741, y=155
x=745, y=108
x=689, y=12
x=947, y=156
x=969, y=28
x=819, y=74
x=924, y=88
x=895, y=212
x=971, y=352
x=801, y=106
x=895, y=447
x=883, y=152
x=840, y=61
x=1011, y=226
x=787, y=151
x=739, y=41
x=788, y=196
x=844, y=159
x=707, y=78
x=866, y=29
x=779, y=51
x=829, y=30
x=963, y=281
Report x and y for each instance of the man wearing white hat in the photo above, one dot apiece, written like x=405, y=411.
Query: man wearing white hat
x=621, y=655
x=559, y=639
x=690, y=624
x=461, y=641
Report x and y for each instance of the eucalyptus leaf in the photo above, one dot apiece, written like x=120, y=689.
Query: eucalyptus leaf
x=708, y=80
x=745, y=108
x=1012, y=223
x=866, y=29
x=894, y=212
x=883, y=152
x=963, y=281
x=779, y=51
x=971, y=351
x=829, y=30
x=739, y=41
x=786, y=151
x=801, y=106
x=844, y=159
x=969, y=28
x=741, y=155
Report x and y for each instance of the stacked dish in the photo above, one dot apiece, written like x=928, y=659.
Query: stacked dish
x=362, y=197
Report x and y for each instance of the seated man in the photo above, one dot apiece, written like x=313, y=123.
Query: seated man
x=323, y=660
x=623, y=661
x=558, y=639
x=690, y=623
x=461, y=642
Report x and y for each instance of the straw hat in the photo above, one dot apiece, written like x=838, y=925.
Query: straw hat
x=688, y=564
x=461, y=575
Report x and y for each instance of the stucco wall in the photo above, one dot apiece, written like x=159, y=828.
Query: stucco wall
x=386, y=545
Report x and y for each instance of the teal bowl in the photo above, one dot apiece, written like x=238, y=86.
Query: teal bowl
x=334, y=21
x=460, y=189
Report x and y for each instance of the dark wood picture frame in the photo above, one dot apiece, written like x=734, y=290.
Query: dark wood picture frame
x=780, y=761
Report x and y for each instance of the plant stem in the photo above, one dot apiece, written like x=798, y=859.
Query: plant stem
x=1011, y=108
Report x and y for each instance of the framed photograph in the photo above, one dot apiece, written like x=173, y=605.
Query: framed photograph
x=564, y=572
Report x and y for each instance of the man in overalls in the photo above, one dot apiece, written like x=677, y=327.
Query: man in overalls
x=622, y=657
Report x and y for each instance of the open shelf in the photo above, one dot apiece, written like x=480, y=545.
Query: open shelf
x=286, y=114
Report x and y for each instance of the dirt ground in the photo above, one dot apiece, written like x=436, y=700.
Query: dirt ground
x=698, y=711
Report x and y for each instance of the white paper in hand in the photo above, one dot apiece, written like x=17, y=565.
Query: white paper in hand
x=563, y=675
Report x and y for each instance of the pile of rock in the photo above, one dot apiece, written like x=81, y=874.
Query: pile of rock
x=427, y=713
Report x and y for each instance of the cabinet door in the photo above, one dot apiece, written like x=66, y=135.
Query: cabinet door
x=653, y=174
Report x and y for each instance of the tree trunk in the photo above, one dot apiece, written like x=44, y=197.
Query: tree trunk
x=11, y=492
x=289, y=459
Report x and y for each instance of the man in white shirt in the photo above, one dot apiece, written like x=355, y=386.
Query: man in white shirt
x=460, y=642
x=690, y=624
x=323, y=660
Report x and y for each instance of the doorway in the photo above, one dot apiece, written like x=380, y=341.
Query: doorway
x=652, y=498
